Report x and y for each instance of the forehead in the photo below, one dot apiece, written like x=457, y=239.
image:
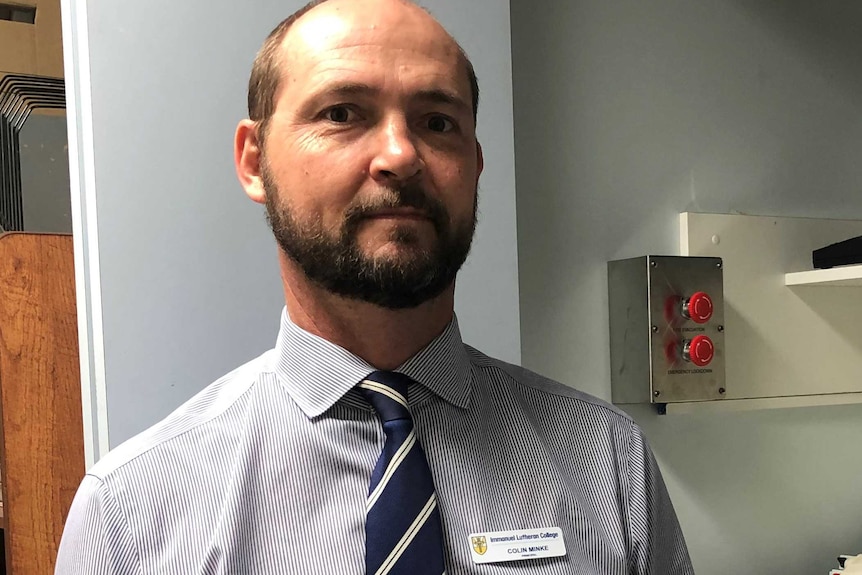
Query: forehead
x=341, y=37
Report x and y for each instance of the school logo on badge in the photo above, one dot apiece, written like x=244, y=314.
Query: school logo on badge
x=480, y=545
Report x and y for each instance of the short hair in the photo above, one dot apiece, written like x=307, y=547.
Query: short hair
x=266, y=73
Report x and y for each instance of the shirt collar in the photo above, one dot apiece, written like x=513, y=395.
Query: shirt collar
x=317, y=373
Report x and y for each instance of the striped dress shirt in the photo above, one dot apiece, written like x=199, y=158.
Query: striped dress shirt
x=266, y=471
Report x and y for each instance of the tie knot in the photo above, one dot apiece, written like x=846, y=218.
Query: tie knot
x=386, y=391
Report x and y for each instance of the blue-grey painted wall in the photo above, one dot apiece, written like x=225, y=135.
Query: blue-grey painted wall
x=188, y=272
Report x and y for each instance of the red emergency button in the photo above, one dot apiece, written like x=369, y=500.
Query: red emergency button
x=698, y=307
x=699, y=350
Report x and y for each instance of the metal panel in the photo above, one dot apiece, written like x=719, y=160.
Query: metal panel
x=649, y=331
x=629, y=331
x=670, y=280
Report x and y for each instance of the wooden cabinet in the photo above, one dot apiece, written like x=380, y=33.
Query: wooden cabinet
x=41, y=435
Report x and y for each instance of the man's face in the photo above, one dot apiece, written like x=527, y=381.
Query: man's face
x=371, y=163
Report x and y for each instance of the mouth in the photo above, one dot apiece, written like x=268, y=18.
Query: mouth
x=399, y=214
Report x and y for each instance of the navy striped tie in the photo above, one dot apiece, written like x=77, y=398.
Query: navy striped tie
x=403, y=533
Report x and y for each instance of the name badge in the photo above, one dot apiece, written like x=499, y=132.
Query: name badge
x=517, y=545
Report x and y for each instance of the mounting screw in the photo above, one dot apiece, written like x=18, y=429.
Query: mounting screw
x=721, y=390
x=653, y=263
x=655, y=329
x=720, y=328
x=656, y=393
x=718, y=265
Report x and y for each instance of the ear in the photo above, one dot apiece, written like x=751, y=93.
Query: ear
x=480, y=161
x=247, y=152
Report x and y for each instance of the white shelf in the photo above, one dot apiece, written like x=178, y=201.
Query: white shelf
x=842, y=276
x=756, y=403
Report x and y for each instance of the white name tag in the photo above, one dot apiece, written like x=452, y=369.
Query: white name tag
x=517, y=545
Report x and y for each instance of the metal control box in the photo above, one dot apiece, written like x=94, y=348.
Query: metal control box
x=666, y=329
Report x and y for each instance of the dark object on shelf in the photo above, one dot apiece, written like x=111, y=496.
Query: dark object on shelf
x=840, y=254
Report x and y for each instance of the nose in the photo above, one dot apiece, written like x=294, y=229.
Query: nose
x=397, y=158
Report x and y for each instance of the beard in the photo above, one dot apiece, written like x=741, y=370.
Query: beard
x=335, y=261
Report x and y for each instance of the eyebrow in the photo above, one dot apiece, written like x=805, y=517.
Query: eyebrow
x=434, y=95
x=348, y=89
x=438, y=96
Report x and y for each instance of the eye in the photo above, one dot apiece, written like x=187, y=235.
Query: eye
x=339, y=114
x=440, y=124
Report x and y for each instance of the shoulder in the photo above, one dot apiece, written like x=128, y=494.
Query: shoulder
x=204, y=409
x=536, y=388
x=581, y=433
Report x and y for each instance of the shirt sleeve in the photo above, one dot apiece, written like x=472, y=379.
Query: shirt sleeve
x=657, y=543
x=97, y=539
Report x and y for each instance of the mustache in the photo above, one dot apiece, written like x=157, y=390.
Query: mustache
x=407, y=196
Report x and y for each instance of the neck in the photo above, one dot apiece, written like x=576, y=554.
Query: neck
x=383, y=337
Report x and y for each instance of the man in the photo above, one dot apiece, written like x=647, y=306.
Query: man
x=371, y=440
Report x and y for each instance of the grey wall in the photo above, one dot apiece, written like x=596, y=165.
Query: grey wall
x=629, y=112
x=188, y=274
x=45, y=174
